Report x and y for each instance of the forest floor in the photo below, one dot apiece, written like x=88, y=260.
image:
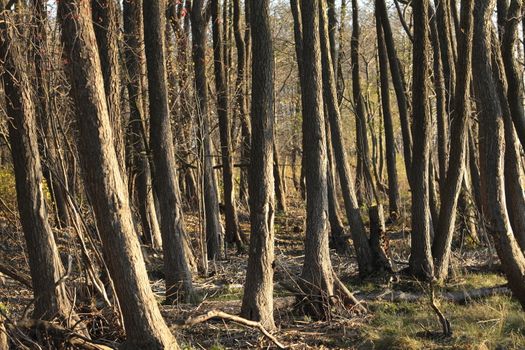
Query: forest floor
x=400, y=314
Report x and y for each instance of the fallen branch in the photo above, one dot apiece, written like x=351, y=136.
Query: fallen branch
x=225, y=316
x=68, y=336
x=10, y=272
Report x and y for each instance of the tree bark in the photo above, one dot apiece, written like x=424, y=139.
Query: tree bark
x=420, y=263
x=214, y=235
x=177, y=253
x=492, y=153
x=144, y=325
x=257, y=303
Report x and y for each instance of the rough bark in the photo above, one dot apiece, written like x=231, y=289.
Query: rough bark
x=420, y=263
x=492, y=148
x=232, y=234
x=257, y=303
x=105, y=186
x=393, y=188
x=177, y=253
x=441, y=248
x=214, y=235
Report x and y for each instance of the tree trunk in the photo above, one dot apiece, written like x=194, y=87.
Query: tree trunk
x=144, y=325
x=492, y=153
x=257, y=303
x=393, y=188
x=178, y=257
x=50, y=298
x=420, y=263
x=363, y=183
x=441, y=248
x=280, y=191
x=134, y=54
x=214, y=235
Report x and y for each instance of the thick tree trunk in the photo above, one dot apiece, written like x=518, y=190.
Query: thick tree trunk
x=257, y=303
x=214, y=235
x=492, y=147
x=441, y=248
x=134, y=55
x=144, y=325
x=50, y=298
x=420, y=263
x=104, y=14
x=393, y=188
x=232, y=234
x=178, y=256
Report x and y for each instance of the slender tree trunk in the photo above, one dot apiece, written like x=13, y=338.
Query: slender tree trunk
x=214, y=236
x=257, y=303
x=399, y=87
x=441, y=248
x=420, y=263
x=278, y=182
x=232, y=234
x=363, y=184
x=178, y=256
x=144, y=325
x=393, y=188
x=134, y=54
x=50, y=297
x=360, y=240
x=492, y=153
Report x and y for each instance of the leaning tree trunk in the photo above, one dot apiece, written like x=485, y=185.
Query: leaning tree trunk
x=50, y=295
x=361, y=244
x=257, y=302
x=441, y=248
x=232, y=234
x=363, y=182
x=393, y=188
x=211, y=202
x=492, y=148
x=105, y=186
x=178, y=257
x=420, y=263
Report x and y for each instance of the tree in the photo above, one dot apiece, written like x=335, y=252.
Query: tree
x=257, y=302
x=50, y=295
x=199, y=20
x=105, y=186
x=393, y=188
x=456, y=168
x=492, y=146
x=177, y=253
x=420, y=263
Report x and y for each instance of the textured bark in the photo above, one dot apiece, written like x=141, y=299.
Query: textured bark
x=178, y=257
x=214, y=235
x=144, y=325
x=232, y=234
x=362, y=247
x=393, y=188
x=257, y=303
x=492, y=146
x=512, y=70
x=141, y=170
x=50, y=298
x=317, y=273
x=399, y=87
x=420, y=263
x=104, y=14
x=441, y=248
x=363, y=183
x=55, y=176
